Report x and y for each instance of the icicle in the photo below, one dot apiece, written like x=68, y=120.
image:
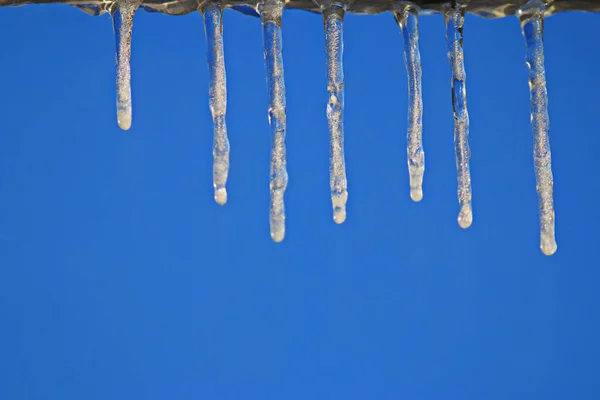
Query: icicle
x=333, y=14
x=271, y=12
x=122, y=14
x=455, y=17
x=406, y=14
x=532, y=25
x=212, y=13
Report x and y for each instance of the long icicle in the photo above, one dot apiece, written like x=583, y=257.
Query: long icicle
x=406, y=14
x=212, y=13
x=271, y=12
x=455, y=18
x=532, y=25
x=122, y=15
x=333, y=15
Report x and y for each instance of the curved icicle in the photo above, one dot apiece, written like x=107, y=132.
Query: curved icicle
x=455, y=18
x=333, y=15
x=406, y=14
x=212, y=13
x=532, y=25
x=271, y=12
x=122, y=15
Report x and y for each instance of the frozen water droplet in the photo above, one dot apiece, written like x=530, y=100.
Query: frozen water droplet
x=416, y=194
x=532, y=25
x=122, y=16
x=221, y=196
x=548, y=243
x=278, y=229
x=271, y=12
x=465, y=216
x=212, y=13
x=339, y=206
x=406, y=14
x=455, y=18
x=333, y=15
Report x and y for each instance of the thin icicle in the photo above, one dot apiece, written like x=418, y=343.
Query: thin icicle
x=532, y=25
x=271, y=12
x=123, y=13
x=455, y=18
x=333, y=14
x=406, y=14
x=213, y=25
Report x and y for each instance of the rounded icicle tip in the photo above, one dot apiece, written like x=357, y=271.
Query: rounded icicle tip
x=278, y=237
x=124, y=119
x=416, y=194
x=221, y=196
x=339, y=215
x=465, y=216
x=548, y=244
x=278, y=231
x=338, y=200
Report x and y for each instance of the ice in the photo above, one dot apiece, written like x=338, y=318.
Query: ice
x=212, y=12
x=333, y=14
x=122, y=14
x=271, y=12
x=406, y=14
x=455, y=18
x=532, y=24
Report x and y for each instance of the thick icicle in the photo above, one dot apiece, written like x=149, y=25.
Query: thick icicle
x=122, y=15
x=455, y=17
x=406, y=14
x=333, y=14
x=532, y=24
x=212, y=12
x=271, y=12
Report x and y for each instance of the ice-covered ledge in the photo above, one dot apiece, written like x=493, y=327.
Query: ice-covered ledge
x=485, y=8
x=531, y=14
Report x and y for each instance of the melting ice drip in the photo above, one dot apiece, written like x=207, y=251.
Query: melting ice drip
x=271, y=12
x=122, y=12
x=333, y=15
x=532, y=24
x=407, y=17
x=531, y=14
x=212, y=12
x=455, y=19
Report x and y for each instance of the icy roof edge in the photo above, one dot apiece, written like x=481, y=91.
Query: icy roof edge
x=484, y=8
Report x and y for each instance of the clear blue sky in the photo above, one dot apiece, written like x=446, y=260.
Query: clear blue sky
x=120, y=278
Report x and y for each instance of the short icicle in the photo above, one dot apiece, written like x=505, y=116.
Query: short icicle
x=122, y=15
x=333, y=15
x=271, y=12
x=212, y=12
x=406, y=14
x=455, y=17
x=532, y=25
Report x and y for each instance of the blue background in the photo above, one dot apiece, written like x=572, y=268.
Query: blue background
x=120, y=278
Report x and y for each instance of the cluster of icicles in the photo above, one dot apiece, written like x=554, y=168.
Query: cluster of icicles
x=406, y=14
